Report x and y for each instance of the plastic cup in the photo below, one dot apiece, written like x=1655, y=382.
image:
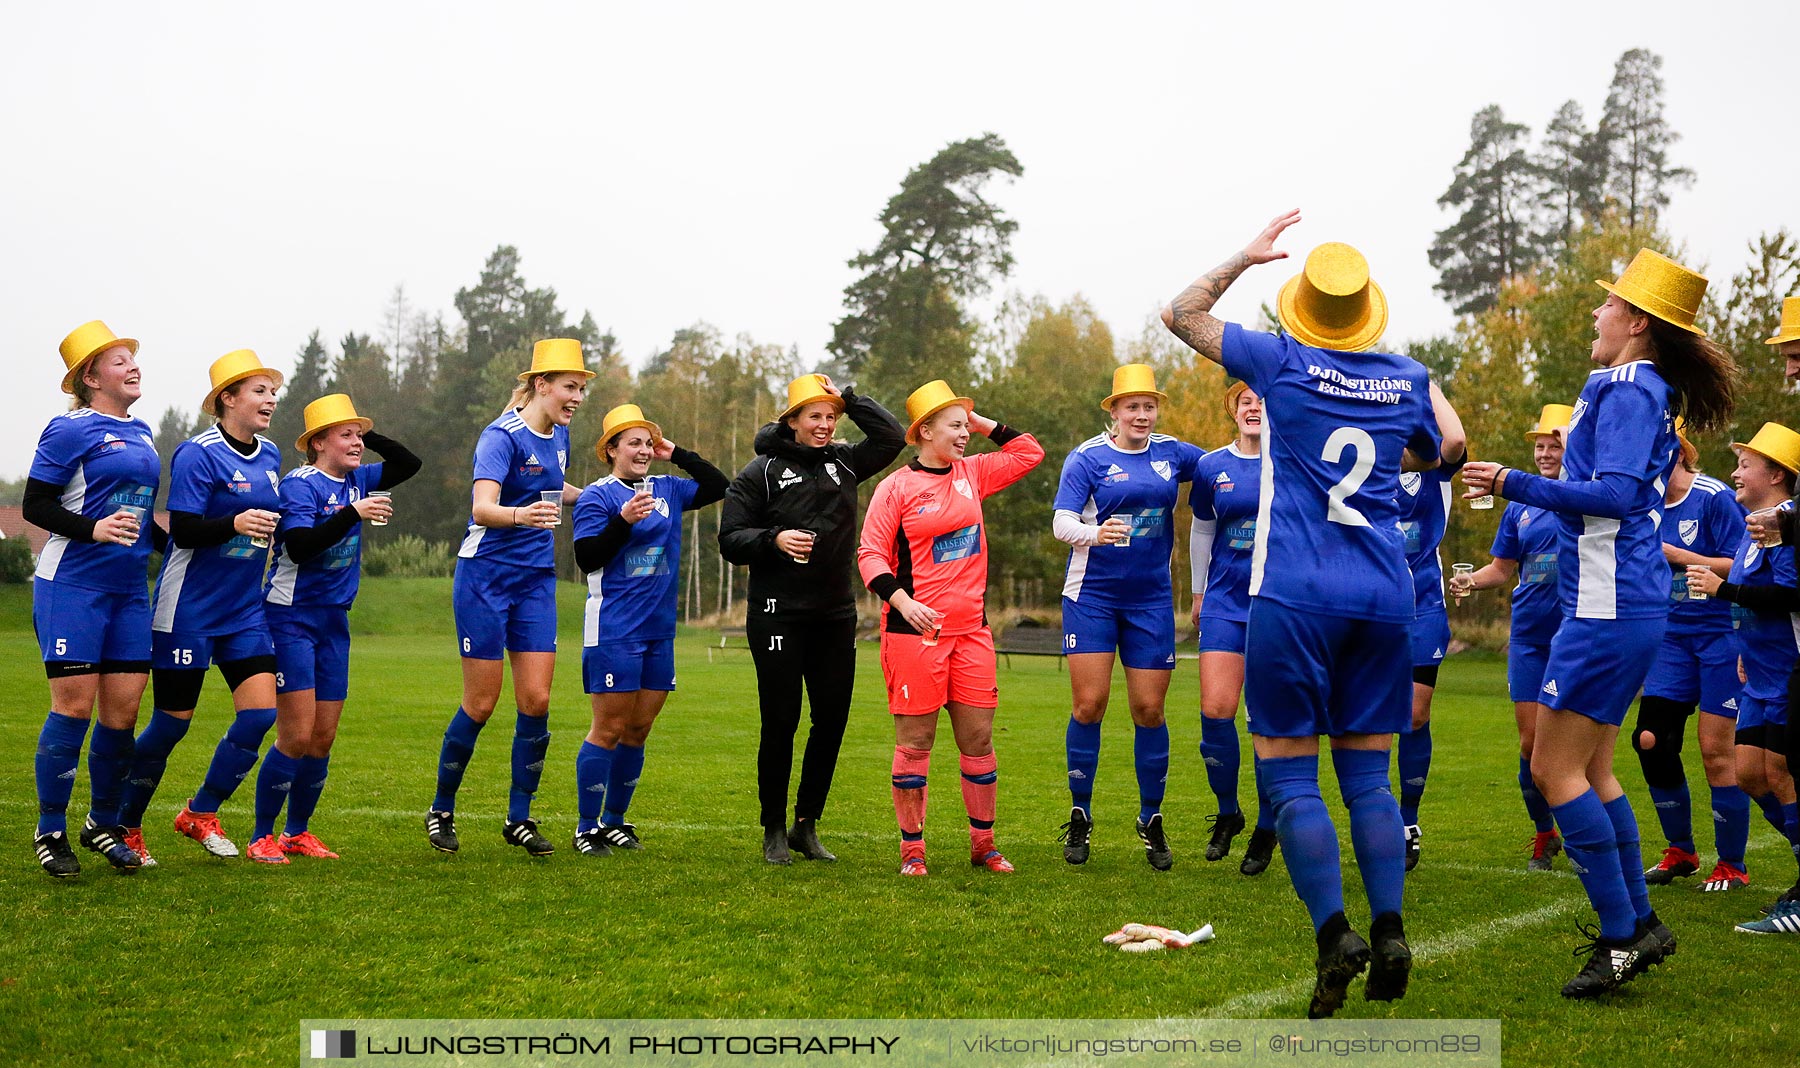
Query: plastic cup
x=1484, y=503
x=1770, y=515
x=1695, y=595
x=553, y=497
x=807, y=559
x=1461, y=571
x=386, y=496
x=643, y=485
x=259, y=541
x=1126, y=518
x=930, y=637
x=137, y=517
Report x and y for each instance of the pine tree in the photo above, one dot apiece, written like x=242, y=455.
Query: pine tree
x=1572, y=166
x=1637, y=138
x=1496, y=237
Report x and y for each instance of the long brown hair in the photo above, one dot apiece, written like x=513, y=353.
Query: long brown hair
x=1702, y=375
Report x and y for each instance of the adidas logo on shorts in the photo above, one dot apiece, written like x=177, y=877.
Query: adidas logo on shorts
x=1550, y=687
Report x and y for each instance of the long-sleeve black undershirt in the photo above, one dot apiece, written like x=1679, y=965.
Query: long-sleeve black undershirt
x=1765, y=600
x=596, y=551
x=398, y=464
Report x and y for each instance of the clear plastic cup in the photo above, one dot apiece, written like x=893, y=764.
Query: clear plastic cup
x=1696, y=595
x=1461, y=571
x=1770, y=515
x=1126, y=518
x=643, y=485
x=807, y=559
x=930, y=637
x=553, y=497
x=386, y=496
x=137, y=516
x=261, y=541
x=1483, y=503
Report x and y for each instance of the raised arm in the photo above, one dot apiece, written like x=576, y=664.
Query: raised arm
x=1189, y=316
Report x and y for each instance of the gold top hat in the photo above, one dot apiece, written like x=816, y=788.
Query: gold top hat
x=1130, y=380
x=328, y=411
x=928, y=400
x=1657, y=285
x=1788, y=331
x=1776, y=442
x=235, y=367
x=557, y=355
x=805, y=390
x=83, y=344
x=1554, y=417
x=1333, y=303
x=1232, y=393
x=621, y=419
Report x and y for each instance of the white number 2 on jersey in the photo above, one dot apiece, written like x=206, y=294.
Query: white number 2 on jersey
x=1341, y=438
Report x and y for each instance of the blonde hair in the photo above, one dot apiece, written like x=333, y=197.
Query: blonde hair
x=81, y=394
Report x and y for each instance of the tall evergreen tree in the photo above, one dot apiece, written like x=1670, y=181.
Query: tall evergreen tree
x=1637, y=140
x=944, y=243
x=1496, y=186
x=1572, y=165
x=306, y=384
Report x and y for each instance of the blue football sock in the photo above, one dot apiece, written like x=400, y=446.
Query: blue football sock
x=58, y=752
x=109, y=761
x=1771, y=810
x=1592, y=846
x=149, y=758
x=621, y=782
x=1308, y=839
x=1415, y=767
x=1631, y=853
x=274, y=782
x=1790, y=813
x=1731, y=822
x=1150, y=752
x=531, y=740
x=1219, y=751
x=309, y=783
x=1265, y=812
x=1083, y=744
x=233, y=758
x=1535, y=805
x=453, y=759
x=593, y=764
x=1376, y=833
x=1675, y=811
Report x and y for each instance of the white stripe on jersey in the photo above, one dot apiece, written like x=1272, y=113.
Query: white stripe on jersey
x=471, y=541
x=590, y=619
x=168, y=591
x=1078, y=555
x=1597, y=586
x=281, y=587
x=1264, y=498
x=74, y=498
x=1710, y=485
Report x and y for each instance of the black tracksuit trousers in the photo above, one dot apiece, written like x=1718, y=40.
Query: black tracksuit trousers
x=821, y=655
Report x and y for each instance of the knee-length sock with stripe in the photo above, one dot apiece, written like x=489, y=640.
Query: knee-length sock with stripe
x=58, y=753
x=622, y=781
x=593, y=766
x=531, y=740
x=1592, y=846
x=453, y=759
x=1731, y=822
x=309, y=784
x=109, y=761
x=1219, y=752
x=1150, y=753
x=911, y=767
x=980, y=789
x=1082, y=743
x=233, y=758
x=1415, y=767
x=274, y=784
x=149, y=759
x=1308, y=839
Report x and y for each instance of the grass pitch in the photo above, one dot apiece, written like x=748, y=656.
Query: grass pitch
x=205, y=961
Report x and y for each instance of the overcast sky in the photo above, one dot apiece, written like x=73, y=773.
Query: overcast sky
x=207, y=177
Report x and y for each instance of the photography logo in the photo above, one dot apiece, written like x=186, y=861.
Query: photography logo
x=333, y=1045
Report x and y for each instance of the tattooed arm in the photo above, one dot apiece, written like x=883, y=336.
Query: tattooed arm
x=1189, y=316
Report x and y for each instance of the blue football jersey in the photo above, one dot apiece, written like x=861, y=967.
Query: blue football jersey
x=1708, y=521
x=217, y=589
x=1101, y=480
x=632, y=598
x=1766, y=642
x=1424, y=514
x=309, y=497
x=525, y=463
x=1226, y=489
x=103, y=464
x=1612, y=568
x=1335, y=427
x=1529, y=535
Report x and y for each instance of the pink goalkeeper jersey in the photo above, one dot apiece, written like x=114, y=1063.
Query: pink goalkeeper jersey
x=924, y=527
